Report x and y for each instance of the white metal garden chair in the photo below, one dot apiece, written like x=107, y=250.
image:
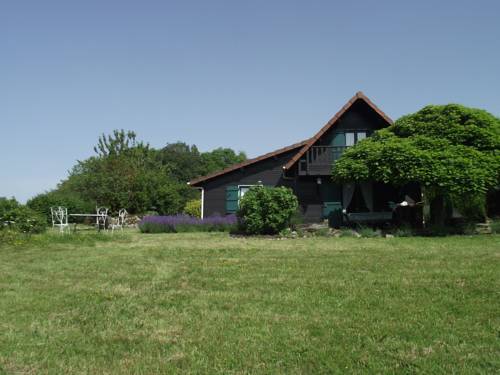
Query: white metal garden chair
x=102, y=217
x=53, y=215
x=60, y=218
x=119, y=222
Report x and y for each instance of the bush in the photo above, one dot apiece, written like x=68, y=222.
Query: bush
x=17, y=217
x=185, y=223
x=266, y=210
x=193, y=208
x=72, y=201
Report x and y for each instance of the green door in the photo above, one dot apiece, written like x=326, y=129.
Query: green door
x=331, y=195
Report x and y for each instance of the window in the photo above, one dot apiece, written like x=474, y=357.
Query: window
x=351, y=138
x=242, y=190
x=361, y=136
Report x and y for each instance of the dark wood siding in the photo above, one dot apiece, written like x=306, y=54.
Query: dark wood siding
x=359, y=117
x=269, y=172
x=311, y=195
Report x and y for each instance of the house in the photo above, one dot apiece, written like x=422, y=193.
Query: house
x=306, y=167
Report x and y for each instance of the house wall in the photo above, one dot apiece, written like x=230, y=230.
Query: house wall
x=311, y=195
x=269, y=172
x=359, y=117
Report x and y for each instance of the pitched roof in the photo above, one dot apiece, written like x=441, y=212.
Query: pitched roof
x=304, y=145
x=358, y=96
x=248, y=162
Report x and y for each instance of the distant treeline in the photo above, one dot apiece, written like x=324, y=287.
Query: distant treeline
x=127, y=173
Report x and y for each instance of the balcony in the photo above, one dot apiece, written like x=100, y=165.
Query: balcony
x=318, y=160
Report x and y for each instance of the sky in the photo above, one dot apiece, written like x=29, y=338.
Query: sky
x=250, y=75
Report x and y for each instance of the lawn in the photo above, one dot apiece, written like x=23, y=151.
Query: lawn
x=208, y=303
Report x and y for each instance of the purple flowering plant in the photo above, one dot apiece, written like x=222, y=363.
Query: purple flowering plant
x=186, y=223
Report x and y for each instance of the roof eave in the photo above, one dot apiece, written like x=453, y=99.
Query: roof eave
x=248, y=162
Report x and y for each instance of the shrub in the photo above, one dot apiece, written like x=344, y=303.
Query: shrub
x=72, y=201
x=193, y=208
x=17, y=217
x=266, y=210
x=185, y=223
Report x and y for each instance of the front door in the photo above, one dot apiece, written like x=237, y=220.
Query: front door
x=331, y=196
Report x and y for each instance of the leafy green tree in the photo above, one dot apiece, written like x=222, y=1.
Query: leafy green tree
x=134, y=180
x=186, y=162
x=127, y=173
x=7, y=204
x=220, y=158
x=118, y=142
x=452, y=151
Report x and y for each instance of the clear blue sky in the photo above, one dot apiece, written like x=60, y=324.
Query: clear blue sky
x=251, y=75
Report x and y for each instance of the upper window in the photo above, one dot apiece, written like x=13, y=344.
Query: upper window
x=351, y=138
x=360, y=136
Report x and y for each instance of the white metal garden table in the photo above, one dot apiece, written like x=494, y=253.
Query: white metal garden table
x=105, y=217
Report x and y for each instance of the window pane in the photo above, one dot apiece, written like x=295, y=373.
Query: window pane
x=361, y=135
x=243, y=190
x=338, y=139
x=349, y=139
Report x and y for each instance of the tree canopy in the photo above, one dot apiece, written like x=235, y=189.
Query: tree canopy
x=452, y=151
x=186, y=162
x=127, y=173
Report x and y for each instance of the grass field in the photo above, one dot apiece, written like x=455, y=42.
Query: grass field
x=208, y=303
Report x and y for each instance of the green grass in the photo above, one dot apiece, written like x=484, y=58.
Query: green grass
x=208, y=303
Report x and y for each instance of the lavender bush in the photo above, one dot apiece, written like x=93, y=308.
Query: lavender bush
x=185, y=223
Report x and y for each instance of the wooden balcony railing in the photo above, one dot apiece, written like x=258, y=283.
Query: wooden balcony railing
x=318, y=160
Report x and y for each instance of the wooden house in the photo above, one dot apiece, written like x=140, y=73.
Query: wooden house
x=306, y=168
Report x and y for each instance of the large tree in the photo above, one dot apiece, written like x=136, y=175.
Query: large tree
x=186, y=162
x=126, y=173
x=452, y=151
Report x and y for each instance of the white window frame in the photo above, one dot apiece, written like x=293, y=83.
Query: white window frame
x=355, y=134
x=239, y=191
x=361, y=132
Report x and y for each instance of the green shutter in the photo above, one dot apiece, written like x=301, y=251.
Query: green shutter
x=231, y=199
